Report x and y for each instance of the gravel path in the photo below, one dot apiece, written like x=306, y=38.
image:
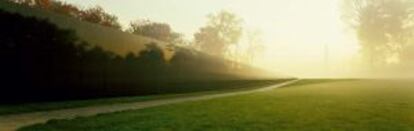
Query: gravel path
x=13, y=122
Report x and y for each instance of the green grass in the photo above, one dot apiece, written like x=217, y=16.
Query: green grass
x=210, y=88
x=341, y=105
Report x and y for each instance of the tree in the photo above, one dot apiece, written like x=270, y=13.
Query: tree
x=159, y=31
x=383, y=28
x=222, y=30
x=152, y=54
x=98, y=15
x=65, y=9
x=42, y=62
x=95, y=14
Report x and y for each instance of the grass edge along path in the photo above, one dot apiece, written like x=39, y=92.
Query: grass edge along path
x=10, y=109
x=348, y=105
x=13, y=122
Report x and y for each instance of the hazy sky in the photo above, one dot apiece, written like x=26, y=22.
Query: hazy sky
x=297, y=33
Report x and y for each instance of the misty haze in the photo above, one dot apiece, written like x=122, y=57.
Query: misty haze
x=206, y=65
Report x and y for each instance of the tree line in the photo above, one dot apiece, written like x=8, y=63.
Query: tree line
x=94, y=14
x=222, y=30
x=42, y=62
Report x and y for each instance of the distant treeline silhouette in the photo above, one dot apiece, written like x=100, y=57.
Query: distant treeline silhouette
x=94, y=14
x=41, y=62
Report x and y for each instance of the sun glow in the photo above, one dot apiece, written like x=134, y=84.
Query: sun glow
x=302, y=38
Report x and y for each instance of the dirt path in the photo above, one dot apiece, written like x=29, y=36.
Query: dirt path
x=13, y=122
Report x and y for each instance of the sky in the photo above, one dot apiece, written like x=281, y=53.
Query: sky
x=304, y=38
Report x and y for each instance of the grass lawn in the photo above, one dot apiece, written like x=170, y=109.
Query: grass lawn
x=210, y=88
x=340, y=105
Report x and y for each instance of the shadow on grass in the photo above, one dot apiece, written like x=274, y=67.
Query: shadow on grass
x=207, y=88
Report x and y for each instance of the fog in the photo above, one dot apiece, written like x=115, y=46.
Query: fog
x=319, y=38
